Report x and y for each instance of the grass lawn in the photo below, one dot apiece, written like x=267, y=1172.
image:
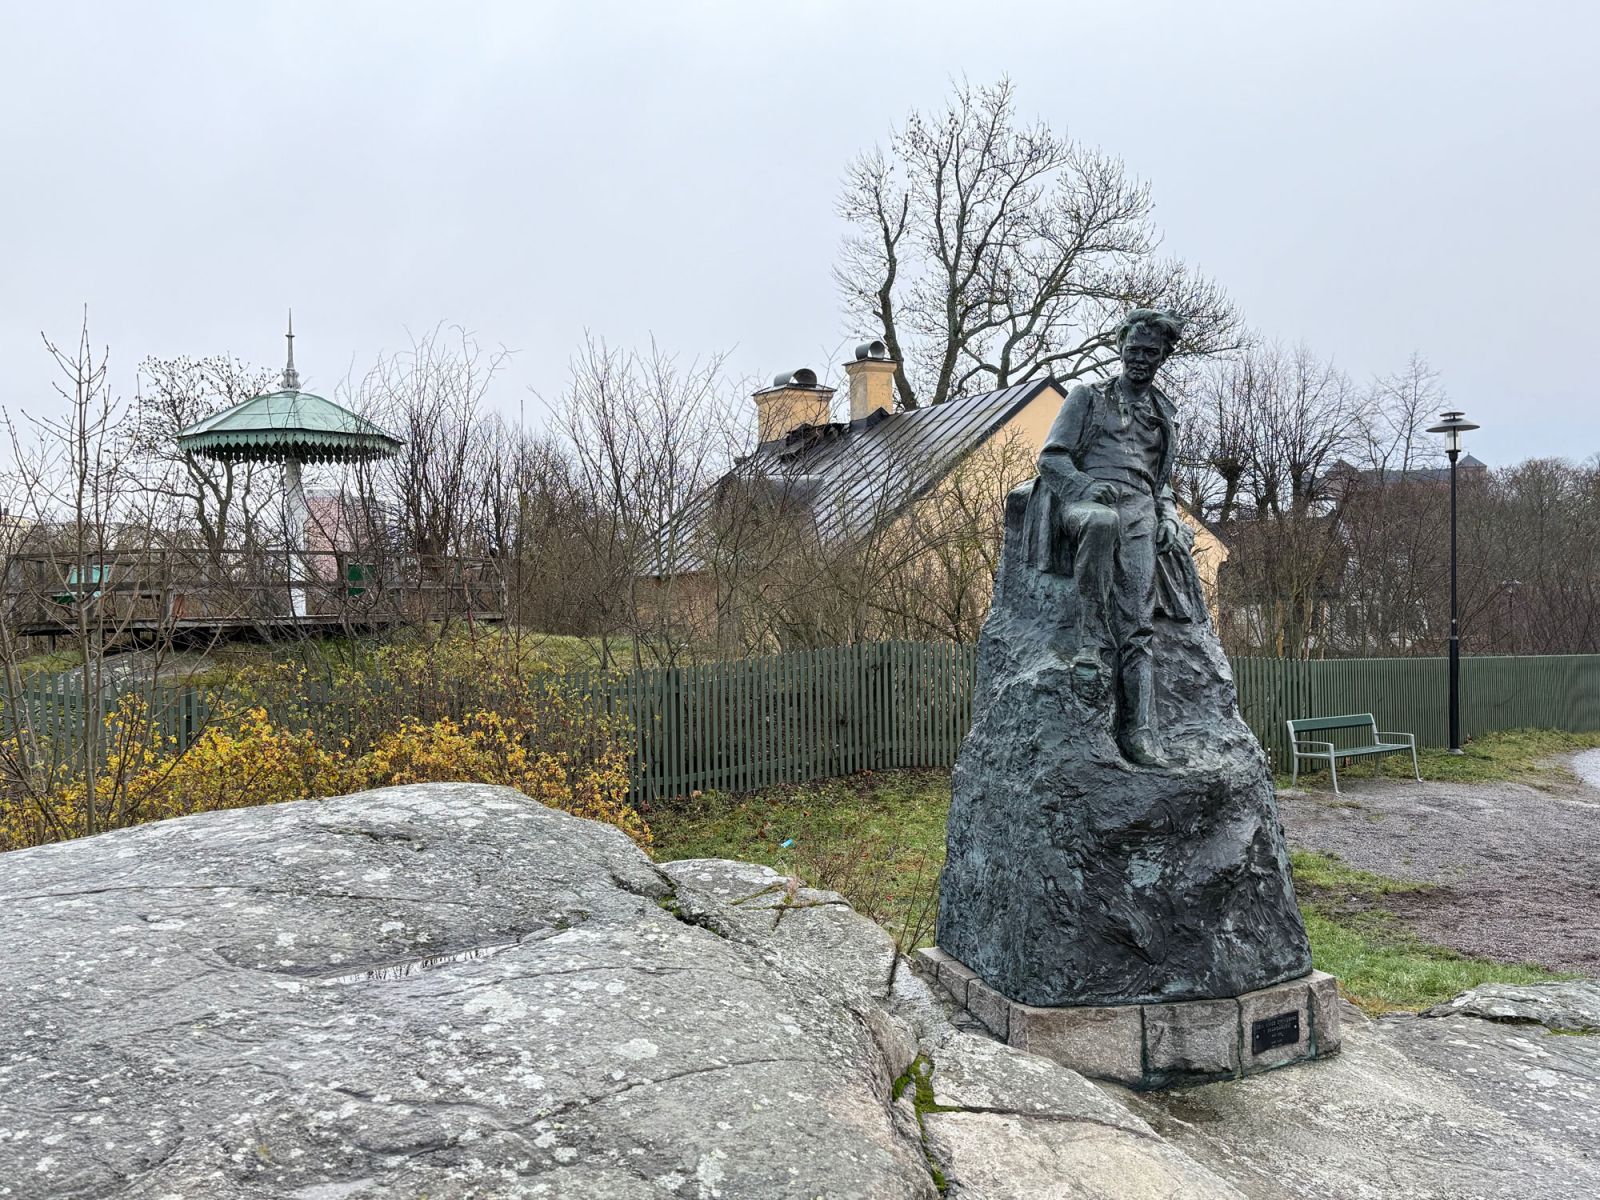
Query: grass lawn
x=49, y=663
x=878, y=839
x=553, y=651
x=222, y=665
x=1381, y=966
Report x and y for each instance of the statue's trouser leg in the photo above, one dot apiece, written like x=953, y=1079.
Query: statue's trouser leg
x=1092, y=529
x=1133, y=598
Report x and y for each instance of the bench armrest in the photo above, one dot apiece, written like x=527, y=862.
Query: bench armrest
x=1410, y=738
x=1299, y=742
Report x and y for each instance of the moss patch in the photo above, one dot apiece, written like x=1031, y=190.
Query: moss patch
x=918, y=1079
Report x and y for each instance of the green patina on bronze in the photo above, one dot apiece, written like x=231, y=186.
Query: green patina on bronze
x=1113, y=836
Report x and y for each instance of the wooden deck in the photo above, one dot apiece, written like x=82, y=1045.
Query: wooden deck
x=193, y=597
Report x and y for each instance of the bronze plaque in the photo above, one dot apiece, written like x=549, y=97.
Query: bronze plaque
x=1281, y=1030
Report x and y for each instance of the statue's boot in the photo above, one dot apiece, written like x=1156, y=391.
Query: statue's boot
x=1136, y=737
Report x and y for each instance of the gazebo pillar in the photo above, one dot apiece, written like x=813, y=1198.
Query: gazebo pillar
x=296, y=517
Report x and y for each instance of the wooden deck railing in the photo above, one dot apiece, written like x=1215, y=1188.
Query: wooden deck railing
x=52, y=592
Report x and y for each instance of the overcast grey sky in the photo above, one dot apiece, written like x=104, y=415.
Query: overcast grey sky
x=1371, y=178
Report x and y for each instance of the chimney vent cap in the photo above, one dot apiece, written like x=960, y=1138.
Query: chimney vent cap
x=799, y=377
x=872, y=349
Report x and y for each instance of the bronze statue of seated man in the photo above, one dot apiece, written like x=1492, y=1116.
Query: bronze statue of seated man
x=1103, y=512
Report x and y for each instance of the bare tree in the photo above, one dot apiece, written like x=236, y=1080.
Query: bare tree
x=1271, y=425
x=1392, y=528
x=440, y=483
x=82, y=525
x=225, y=503
x=1530, y=559
x=989, y=252
x=646, y=435
x=554, y=576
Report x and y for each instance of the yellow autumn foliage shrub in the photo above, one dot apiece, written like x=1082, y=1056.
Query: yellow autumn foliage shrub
x=472, y=715
x=240, y=760
x=485, y=747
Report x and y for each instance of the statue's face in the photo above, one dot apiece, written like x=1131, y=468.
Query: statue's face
x=1142, y=355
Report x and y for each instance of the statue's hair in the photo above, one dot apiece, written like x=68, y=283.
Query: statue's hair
x=1168, y=326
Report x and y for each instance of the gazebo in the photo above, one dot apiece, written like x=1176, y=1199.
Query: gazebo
x=173, y=590
x=292, y=428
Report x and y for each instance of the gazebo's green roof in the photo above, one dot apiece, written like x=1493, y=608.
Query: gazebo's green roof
x=287, y=424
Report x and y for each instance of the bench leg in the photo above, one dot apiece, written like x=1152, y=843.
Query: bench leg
x=1294, y=771
x=1333, y=769
x=1415, y=770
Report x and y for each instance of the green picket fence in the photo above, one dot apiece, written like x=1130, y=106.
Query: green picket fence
x=1555, y=691
x=48, y=716
x=746, y=724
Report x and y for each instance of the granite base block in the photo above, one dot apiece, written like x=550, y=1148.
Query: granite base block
x=1191, y=1038
x=1148, y=1046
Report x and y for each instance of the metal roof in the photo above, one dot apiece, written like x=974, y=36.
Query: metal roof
x=857, y=474
x=288, y=424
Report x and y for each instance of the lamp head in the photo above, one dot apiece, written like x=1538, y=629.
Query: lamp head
x=1452, y=424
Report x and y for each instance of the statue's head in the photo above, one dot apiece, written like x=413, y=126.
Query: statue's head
x=1144, y=340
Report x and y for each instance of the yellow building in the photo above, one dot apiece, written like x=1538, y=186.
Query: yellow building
x=871, y=496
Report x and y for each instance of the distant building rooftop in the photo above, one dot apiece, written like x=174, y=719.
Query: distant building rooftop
x=1383, y=475
x=853, y=475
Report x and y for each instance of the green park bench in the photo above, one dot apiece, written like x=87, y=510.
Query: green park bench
x=1370, y=743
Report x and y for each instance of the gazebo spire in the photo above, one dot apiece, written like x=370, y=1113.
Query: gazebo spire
x=291, y=377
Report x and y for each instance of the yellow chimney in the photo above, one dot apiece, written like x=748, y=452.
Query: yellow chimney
x=794, y=399
x=871, y=380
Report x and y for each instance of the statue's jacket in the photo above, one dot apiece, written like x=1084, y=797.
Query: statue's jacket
x=1046, y=543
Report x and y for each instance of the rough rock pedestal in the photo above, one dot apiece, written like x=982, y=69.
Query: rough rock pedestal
x=1076, y=878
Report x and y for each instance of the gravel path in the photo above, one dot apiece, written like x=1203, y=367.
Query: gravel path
x=1518, y=866
x=1586, y=767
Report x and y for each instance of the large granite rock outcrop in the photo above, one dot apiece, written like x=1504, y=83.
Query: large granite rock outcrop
x=1565, y=1006
x=450, y=991
x=1451, y=1108
x=1076, y=878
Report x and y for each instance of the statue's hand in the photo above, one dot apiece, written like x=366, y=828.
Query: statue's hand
x=1173, y=534
x=1103, y=493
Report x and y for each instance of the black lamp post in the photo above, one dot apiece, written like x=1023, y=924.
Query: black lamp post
x=1511, y=586
x=1452, y=424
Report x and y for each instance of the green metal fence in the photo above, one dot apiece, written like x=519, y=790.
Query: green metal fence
x=742, y=725
x=746, y=724
x=749, y=723
x=46, y=718
x=1556, y=691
